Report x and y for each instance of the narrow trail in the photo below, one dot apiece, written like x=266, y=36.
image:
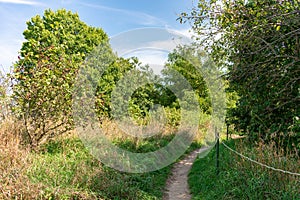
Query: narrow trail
x=177, y=187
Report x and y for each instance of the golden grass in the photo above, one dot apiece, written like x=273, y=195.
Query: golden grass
x=13, y=163
x=273, y=156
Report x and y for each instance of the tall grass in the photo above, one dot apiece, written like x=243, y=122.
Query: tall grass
x=64, y=169
x=14, y=160
x=67, y=169
x=242, y=179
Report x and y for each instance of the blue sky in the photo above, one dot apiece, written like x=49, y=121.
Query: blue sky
x=114, y=16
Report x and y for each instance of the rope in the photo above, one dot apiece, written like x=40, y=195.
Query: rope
x=261, y=164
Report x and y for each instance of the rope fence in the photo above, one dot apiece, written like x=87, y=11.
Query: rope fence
x=261, y=164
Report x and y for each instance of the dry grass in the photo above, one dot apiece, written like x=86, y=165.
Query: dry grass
x=14, y=161
x=64, y=169
x=113, y=130
x=273, y=156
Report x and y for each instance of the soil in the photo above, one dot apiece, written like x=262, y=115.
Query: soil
x=177, y=187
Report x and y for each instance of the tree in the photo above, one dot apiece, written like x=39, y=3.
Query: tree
x=107, y=83
x=55, y=47
x=257, y=42
x=191, y=74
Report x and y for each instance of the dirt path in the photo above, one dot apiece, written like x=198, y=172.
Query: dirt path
x=177, y=186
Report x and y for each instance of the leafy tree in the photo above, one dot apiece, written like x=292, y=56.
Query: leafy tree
x=160, y=90
x=137, y=93
x=191, y=74
x=107, y=83
x=257, y=42
x=55, y=46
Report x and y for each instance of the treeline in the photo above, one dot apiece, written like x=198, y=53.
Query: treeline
x=57, y=46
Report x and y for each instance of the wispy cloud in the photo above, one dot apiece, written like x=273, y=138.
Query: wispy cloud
x=186, y=32
x=23, y=2
x=155, y=58
x=139, y=17
x=150, y=44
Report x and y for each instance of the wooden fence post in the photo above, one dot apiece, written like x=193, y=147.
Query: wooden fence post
x=227, y=131
x=217, y=152
x=227, y=128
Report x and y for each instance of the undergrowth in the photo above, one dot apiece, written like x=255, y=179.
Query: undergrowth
x=241, y=179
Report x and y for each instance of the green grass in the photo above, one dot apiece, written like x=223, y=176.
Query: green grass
x=239, y=179
x=66, y=170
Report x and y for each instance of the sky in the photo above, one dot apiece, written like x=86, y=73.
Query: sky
x=113, y=16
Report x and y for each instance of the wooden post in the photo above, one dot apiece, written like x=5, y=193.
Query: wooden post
x=227, y=131
x=217, y=153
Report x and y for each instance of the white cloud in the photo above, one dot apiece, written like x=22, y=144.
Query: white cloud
x=150, y=45
x=176, y=37
x=139, y=17
x=24, y=2
x=155, y=58
x=186, y=32
x=155, y=38
x=66, y=2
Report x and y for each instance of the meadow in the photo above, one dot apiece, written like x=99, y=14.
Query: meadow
x=64, y=169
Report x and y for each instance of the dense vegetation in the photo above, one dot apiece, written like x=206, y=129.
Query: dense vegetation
x=41, y=157
x=257, y=43
x=56, y=47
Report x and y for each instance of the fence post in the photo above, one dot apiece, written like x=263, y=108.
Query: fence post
x=217, y=152
x=227, y=128
x=227, y=131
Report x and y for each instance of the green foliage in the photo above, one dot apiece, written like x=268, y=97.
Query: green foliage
x=173, y=116
x=55, y=46
x=107, y=83
x=191, y=74
x=258, y=44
